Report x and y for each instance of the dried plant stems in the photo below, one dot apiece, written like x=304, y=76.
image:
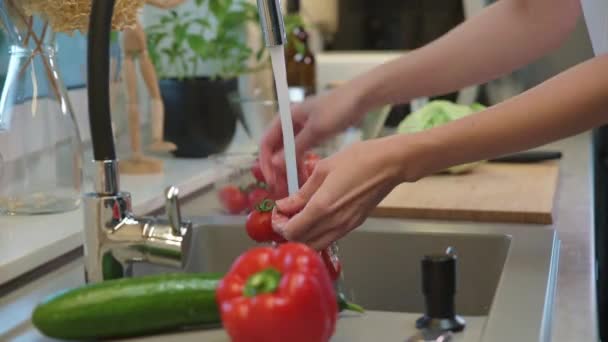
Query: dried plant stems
x=38, y=41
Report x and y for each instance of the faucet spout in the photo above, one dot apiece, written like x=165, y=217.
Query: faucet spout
x=273, y=25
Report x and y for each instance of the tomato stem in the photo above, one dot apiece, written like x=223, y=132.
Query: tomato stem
x=266, y=281
x=265, y=206
x=262, y=185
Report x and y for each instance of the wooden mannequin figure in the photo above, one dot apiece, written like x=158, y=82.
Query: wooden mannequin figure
x=135, y=48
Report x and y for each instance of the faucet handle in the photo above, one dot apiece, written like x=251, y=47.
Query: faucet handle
x=173, y=210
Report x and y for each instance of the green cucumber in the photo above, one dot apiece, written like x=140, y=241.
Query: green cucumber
x=130, y=307
x=136, y=306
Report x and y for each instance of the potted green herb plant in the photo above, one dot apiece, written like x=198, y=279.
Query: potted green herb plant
x=199, y=118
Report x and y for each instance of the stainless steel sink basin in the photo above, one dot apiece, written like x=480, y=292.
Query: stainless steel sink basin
x=380, y=260
x=505, y=274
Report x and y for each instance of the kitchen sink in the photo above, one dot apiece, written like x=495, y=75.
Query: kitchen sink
x=506, y=274
x=381, y=261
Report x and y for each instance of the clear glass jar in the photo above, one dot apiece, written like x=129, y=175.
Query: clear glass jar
x=40, y=146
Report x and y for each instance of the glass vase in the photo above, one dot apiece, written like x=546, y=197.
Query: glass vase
x=40, y=146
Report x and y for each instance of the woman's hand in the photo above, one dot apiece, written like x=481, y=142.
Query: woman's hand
x=315, y=120
x=341, y=193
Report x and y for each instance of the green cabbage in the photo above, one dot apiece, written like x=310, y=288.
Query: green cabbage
x=437, y=113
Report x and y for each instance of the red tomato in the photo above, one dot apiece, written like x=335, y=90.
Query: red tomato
x=233, y=199
x=333, y=265
x=310, y=162
x=259, y=224
x=312, y=156
x=256, y=170
x=256, y=196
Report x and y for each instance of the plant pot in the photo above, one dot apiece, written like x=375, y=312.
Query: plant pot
x=199, y=117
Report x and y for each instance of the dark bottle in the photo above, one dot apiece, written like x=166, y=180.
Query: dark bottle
x=301, y=69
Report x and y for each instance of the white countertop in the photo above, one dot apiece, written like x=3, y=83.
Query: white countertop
x=27, y=242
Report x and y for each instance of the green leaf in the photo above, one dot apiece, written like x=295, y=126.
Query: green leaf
x=165, y=20
x=198, y=2
x=216, y=8
x=292, y=21
x=155, y=27
x=245, y=51
x=229, y=45
x=299, y=46
x=198, y=45
x=170, y=54
x=180, y=31
x=174, y=47
x=234, y=19
x=227, y=4
x=154, y=41
x=203, y=22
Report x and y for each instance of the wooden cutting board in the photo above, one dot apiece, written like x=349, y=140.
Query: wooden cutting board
x=493, y=192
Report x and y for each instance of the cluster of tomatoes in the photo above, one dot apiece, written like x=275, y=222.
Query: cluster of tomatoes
x=237, y=200
x=241, y=200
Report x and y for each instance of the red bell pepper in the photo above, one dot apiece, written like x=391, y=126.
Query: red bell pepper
x=279, y=294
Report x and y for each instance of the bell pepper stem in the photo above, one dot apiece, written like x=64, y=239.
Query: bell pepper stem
x=354, y=307
x=345, y=305
x=265, y=281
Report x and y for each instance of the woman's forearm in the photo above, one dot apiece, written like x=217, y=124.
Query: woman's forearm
x=568, y=104
x=503, y=37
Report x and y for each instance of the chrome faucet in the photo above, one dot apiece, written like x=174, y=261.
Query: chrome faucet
x=114, y=237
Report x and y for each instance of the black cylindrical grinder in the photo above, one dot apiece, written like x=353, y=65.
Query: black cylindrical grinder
x=439, y=290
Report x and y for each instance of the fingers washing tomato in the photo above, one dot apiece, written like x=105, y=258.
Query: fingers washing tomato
x=310, y=162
